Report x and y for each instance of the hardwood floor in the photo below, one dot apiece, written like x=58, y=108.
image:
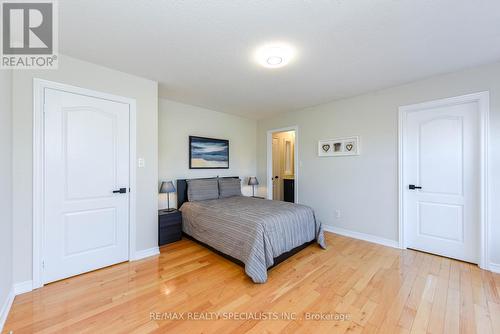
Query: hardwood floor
x=378, y=289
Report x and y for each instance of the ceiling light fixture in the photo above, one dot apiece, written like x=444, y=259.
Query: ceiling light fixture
x=274, y=60
x=274, y=55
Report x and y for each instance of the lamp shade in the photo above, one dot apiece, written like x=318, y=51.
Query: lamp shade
x=167, y=187
x=252, y=181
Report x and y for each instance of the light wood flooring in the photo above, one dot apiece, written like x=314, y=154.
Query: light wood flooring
x=379, y=289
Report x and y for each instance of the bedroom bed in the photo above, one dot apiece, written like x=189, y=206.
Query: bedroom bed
x=255, y=233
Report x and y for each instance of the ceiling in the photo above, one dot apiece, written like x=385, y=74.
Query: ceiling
x=200, y=51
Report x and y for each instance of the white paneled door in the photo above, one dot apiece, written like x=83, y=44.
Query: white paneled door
x=86, y=208
x=442, y=180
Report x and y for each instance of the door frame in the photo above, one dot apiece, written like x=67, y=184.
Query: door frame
x=269, y=172
x=39, y=86
x=482, y=99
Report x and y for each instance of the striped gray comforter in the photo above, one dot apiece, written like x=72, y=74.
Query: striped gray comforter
x=252, y=230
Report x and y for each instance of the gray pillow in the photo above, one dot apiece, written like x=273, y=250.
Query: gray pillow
x=202, y=189
x=229, y=187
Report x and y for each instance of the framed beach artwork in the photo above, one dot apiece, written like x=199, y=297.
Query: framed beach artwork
x=208, y=153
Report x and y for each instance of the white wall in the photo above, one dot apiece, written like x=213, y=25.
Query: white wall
x=364, y=188
x=5, y=189
x=83, y=74
x=178, y=121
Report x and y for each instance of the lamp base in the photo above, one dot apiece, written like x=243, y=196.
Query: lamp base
x=168, y=210
x=168, y=205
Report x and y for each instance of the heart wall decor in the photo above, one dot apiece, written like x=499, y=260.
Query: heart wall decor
x=338, y=147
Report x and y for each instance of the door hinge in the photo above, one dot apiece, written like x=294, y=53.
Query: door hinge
x=43, y=264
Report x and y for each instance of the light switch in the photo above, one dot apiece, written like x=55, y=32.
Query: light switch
x=141, y=162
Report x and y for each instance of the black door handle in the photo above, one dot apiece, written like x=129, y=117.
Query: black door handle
x=413, y=187
x=120, y=191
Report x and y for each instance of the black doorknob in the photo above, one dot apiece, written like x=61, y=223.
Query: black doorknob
x=120, y=191
x=413, y=187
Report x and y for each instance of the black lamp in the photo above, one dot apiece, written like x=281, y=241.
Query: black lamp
x=167, y=187
x=252, y=181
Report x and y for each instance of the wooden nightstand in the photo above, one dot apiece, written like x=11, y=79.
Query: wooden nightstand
x=169, y=226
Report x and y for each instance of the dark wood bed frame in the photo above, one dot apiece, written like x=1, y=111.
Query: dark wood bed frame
x=182, y=197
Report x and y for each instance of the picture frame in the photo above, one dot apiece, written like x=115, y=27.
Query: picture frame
x=208, y=153
x=344, y=146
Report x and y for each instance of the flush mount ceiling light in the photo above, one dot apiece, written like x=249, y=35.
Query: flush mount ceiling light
x=274, y=55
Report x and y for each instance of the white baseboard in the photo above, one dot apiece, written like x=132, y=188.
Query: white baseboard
x=23, y=287
x=494, y=267
x=4, y=311
x=142, y=254
x=361, y=236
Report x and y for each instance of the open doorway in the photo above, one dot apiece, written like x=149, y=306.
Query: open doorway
x=282, y=165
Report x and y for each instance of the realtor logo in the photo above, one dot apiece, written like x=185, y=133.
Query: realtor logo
x=29, y=34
